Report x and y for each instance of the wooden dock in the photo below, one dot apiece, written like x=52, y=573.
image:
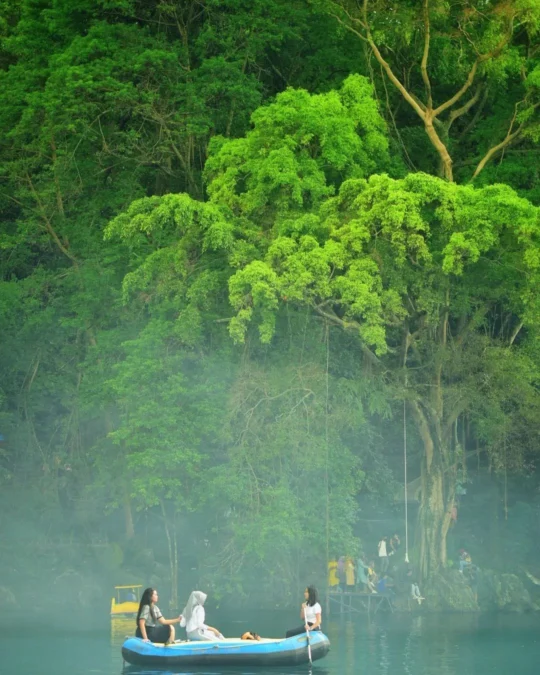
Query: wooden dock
x=351, y=602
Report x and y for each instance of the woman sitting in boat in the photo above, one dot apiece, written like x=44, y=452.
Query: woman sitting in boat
x=310, y=612
x=151, y=626
x=193, y=617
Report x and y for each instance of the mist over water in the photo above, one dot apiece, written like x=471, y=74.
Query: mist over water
x=389, y=645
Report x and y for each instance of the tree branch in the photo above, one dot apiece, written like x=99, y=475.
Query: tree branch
x=464, y=109
x=347, y=325
x=439, y=146
x=470, y=78
x=396, y=82
x=392, y=117
x=425, y=433
x=425, y=55
x=515, y=333
x=361, y=28
x=347, y=26
x=478, y=314
x=455, y=98
x=476, y=116
x=494, y=150
x=426, y=114
x=48, y=225
x=508, y=139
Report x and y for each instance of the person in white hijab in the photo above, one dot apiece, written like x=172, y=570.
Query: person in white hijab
x=193, y=616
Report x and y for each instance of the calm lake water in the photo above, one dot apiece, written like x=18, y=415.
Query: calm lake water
x=387, y=645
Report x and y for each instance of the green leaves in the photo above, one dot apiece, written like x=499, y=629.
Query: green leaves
x=164, y=220
x=299, y=149
x=167, y=236
x=224, y=336
x=288, y=464
x=161, y=413
x=254, y=288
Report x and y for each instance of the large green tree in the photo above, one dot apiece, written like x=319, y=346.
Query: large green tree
x=437, y=281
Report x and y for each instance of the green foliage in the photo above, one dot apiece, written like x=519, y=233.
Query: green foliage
x=174, y=175
x=417, y=268
x=381, y=232
x=299, y=149
x=164, y=414
x=290, y=473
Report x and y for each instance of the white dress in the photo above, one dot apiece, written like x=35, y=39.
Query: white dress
x=196, y=629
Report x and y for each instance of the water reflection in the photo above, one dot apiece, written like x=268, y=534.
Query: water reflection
x=387, y=645
x=120, y=629
x=411, y=647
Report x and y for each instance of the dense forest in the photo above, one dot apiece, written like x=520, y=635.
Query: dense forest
x=251, y=253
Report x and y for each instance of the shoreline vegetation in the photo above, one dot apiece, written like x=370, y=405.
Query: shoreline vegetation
x=447, y=592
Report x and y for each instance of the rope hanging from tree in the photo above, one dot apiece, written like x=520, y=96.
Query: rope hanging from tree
x=405, y=478
x=327, y=449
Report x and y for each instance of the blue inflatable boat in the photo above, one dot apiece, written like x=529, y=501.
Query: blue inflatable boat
x=232, y=651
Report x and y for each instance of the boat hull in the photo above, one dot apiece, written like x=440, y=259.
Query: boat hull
x=266, y=652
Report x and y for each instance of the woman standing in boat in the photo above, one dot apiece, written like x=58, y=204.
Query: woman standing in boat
x=193, y=616
x=310, y=613
x=151, y=626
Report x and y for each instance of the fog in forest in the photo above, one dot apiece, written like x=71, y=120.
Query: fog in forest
x=263, y=304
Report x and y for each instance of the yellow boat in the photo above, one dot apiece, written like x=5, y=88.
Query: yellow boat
x=125, y=601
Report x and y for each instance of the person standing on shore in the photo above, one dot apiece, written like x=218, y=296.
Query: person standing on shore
x=383, y=556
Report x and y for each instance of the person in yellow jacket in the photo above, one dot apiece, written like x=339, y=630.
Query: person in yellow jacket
x=333, y=580
x=349, y=573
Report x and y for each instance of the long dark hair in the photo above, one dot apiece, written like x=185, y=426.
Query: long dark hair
x=146, y=599
x=313, y=595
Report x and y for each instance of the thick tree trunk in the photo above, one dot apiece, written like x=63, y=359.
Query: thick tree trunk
x=437, y=492
x=442, y=150
x=434, y=520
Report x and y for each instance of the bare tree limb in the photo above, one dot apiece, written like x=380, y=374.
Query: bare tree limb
x=425, y=55
x=470, y=78
x=361, y=28
x=390, y=73
x=455, y=98
x=455, y=114
x=48, y=225
x=394, y=124
x=515, y=333
x=347, y=325
x=494, y=150
x=426, y=114
x=507, y=140
x=348, y=27
x=476, y=116
x=441, y=148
